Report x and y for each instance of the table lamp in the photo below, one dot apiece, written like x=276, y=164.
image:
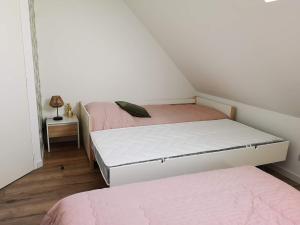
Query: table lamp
x=56, y=102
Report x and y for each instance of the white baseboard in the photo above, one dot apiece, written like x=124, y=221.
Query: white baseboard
x=39, y=164
x=292, y=176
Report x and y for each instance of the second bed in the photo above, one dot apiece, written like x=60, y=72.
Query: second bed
x=139, y=153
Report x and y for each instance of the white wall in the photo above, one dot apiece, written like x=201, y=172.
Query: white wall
x=275, y=123
x=245, y=50
x=98, y=50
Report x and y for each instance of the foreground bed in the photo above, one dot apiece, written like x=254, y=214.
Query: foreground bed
x=234, y=196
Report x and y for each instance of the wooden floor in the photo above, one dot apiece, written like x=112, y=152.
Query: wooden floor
x=281, y=177
x=26, y=201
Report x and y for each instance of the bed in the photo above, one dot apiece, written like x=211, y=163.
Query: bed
x=134, y=152
x=241, y=195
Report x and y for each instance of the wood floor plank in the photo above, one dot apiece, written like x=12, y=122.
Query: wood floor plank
x=28, y=199
x=278, y=175
x=27, y=220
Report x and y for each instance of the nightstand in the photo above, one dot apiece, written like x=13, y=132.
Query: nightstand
x=67, y=127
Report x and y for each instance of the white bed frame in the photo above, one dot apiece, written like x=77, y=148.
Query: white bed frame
x=255, y=156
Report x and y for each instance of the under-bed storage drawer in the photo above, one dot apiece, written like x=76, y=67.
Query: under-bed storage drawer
x=251, y=156
x=62, y=130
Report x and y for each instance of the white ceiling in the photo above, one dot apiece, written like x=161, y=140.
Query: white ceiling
x=244, y=50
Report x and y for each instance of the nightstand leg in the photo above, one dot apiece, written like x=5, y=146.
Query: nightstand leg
x=48, y=141
x=48, y=145
x=78, y=136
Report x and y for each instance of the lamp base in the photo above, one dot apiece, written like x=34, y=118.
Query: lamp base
x=58, y=118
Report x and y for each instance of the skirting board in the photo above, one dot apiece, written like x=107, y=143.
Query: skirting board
x=39, y=164
x=292, y=176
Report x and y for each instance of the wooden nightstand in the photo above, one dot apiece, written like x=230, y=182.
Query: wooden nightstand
x=62, y=128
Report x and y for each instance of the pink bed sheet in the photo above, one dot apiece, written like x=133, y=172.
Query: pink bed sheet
x=236, y=196
x=107, y=115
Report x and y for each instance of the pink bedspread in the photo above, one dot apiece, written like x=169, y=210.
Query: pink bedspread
x=236, y=196
x=107, y=115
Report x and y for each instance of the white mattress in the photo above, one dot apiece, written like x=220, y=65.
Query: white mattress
x=139, y=144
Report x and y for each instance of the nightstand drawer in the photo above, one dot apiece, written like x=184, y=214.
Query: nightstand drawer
x=62, y=130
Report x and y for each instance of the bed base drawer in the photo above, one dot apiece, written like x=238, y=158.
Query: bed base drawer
x=251, y=156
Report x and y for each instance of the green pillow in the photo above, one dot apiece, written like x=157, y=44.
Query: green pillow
x=134, y=110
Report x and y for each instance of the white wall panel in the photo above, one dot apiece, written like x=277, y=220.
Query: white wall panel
x=281, y=125
x=98, y=50
x=244, y=50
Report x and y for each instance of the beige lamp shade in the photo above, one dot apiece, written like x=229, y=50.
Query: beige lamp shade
x=56, y=101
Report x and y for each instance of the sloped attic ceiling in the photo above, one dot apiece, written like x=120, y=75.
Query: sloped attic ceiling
x=244, y=50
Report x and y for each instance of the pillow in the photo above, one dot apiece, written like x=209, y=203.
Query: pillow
x=134, y=110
